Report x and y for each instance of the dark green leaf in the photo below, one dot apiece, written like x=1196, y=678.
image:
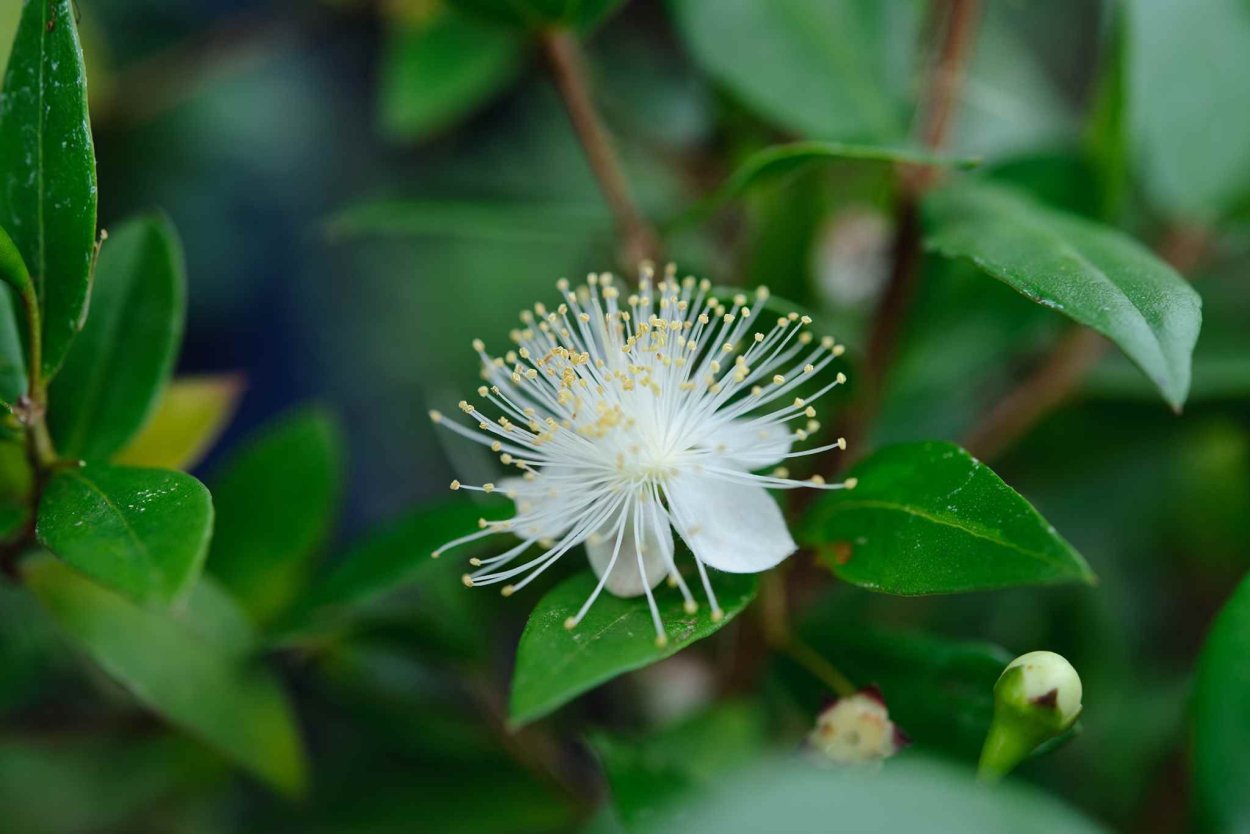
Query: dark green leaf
x=47, y=168
x=100, y=783
x=17, y=482
x=1090, y=273
x=649, y=776
x=534, y=14
x=827, y=70
x=1222, y=719
x=555, y=665
x=276, y=501
x=240, y=710
x=789, y=797
x=436, y=72
x=187, y=421
x=780, y=160
x=512, y=222
x=119, y=367
x=1187, y=114
x=12, y=358
x=212, y=614
x=928, y=518
x=143, y=532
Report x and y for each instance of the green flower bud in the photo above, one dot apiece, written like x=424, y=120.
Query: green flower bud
x=1037, y=698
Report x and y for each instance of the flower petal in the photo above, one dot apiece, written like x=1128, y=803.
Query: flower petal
x=750, y=447
x=737, y=528
x=538, y=503
x=657, y=548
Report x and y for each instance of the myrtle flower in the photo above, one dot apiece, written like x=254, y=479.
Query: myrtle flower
x=630, y=417
x=856, y=729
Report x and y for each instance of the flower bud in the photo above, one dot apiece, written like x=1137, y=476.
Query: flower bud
x=856, y=729
x=1036, y=699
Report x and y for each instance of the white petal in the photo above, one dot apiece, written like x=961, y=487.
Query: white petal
x=737, y=528
x=538, y=503
x=750, y=447
x=657, y=548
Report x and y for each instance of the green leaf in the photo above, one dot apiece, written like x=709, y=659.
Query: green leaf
x=908, y=795
x=235, y=708
x=778, y=161
x=1188, y=80
x=143, y=532
x=649, y=776
x=12, y=360
x=188, y=420
x=504, y=222
x=276, y=501
x=120, y=365
x=1092, y=274
x=826, y=70
x=436, y=72
x=47, y=169
x=928, y=518
x=535, y=14
x=1222, y=719
x=555, y=665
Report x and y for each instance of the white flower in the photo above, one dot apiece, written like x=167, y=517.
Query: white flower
x=630, y=420
x=856, y=729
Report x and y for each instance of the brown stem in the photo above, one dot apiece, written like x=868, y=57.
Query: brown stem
x=1060, y=374
x=638, y=240
x=958, y=22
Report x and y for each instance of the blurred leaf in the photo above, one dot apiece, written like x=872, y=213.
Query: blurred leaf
x=789, y=797
x=12, y=358
x=237, y=709
x=928, y=518
x=276, y=500
x=1188, y=81
x=212, y=614
x=822, y=69
x=1107, y=136
x=780, y=160
x=435, y=72
x=535, y=14
x=121, y=363
x=940, y=691
x=17, y=482
x=98, y=783
x=47, y=168
x=1222, y=719
x=143, y=532
x=648, y=776
x=555, y=665
x=188, y=420
x=1091, y=273
x=525, y=222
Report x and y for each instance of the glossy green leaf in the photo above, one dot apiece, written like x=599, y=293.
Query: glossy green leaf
x=12, y=357
x=779, y=161
x=189, y=418
x=1222, y=719
x=276, y=500
x=435, y=72
x=792, y=797
x=1188, y=80
x=928, y=518
x=239, y=709
x=827, y=70
x=120, y=364
x=143, y=532
x=502, y=222
x=47, y=168
x=555, y=665
x=650, y=776
x=535, y=14
x=1093, y=274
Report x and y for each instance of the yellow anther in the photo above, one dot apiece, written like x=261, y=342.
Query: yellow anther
x=488, y=487
x=467, y=580
x=436, y=416
x=851, y=483
x=455, y=485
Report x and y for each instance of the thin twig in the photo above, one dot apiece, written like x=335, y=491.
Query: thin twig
x=638, y=240
x=958, y=30
x=1059, y=376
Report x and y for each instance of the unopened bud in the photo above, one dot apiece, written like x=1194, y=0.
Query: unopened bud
x=856, y=729
x=1036, y=699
